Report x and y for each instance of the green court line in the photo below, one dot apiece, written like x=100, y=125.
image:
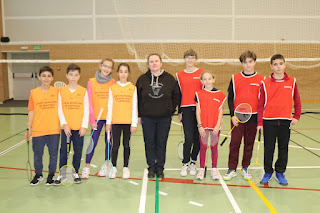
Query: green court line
x=156, y=208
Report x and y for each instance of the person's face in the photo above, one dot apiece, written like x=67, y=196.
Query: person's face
x=123, y=73
x=207, y=80
x=154, y=63
x=278, y=66
x=46, y=78
x=190, y=60
x=248, y=65
x=106, y=68
x=73, y=76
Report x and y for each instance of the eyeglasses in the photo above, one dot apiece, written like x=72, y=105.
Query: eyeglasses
x=190, y=58
x=106, y=66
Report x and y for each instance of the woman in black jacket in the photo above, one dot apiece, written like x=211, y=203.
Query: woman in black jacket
x=158, y=97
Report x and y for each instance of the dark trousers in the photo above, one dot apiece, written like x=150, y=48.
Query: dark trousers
x=276, y=130
x=77, y=142
x=155, y=134
x=247, y=131
x=38, y=143
x=116, y=134
x=191, y=134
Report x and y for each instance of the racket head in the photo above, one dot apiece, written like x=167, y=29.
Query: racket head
x=243, y=112
x=108, y=169
x=88, y=144
x=29, y=171
x=180, y=150
x=67, y=173
x=257, y=171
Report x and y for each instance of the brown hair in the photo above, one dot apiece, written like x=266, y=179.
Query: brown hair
x=247, y=54
x=190, y=52
x=46, y=69
x=125, y=65
x=277, y=56
x=154, y=54
x=73, y=67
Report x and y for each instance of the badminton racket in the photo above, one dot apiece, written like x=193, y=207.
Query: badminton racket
x=108, y=168
x=67, y=172
x=256, y=169
x=28, y=166
x=242, y=113
x=88, y=140
x=180, y=145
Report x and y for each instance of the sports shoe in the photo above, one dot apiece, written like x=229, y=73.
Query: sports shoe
x=266, y=178
x=102, y=173
x=85, y=173
x=160, y=174
x=245, y=173
x=214, y=174
x=57, y=182
x=200, y=174
x=36, y=180
x=50, y=179
x=151, y=174
x=281, y=179
x=125, y=173
x=114, y=173
x=193, y=169
x=184, y=170
x=231, y=173
x=77, y=178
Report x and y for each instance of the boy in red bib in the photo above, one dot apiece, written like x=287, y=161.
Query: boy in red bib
x=277, y=94
x=244, y=88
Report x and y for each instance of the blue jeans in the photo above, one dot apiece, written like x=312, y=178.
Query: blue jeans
x=77, y=142
x=38, y=143
x=155, y=134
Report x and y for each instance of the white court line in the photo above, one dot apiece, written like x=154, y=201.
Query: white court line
x=93, y=165
x=195, y=203
x=12, y=148
x=163, y=193
x=230, y=196
x=134, y=183
x=176, y=123
x=143, y=196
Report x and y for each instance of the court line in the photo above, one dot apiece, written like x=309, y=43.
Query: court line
x=229, y=194
x=263, y=198
x=143, y=196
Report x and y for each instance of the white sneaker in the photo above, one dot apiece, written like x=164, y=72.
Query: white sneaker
x=193, y=169
x=246, y=174
x=231, y=173
x=184, y=170
x=214, y=174
x=114, y=173
x=102, y=173
x=200, y=174
x=85, y=173
x=125, y=173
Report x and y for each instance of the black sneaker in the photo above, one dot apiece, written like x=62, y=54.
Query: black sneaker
x=151, y=174
x=57, y=182
x=160, y=174
x=50, y=179
x=77, y=178
x=37, y=178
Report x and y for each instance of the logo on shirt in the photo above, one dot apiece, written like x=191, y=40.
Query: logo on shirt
x=156, y=87
x=287, y=87
x=217, y=100
x=255, y=84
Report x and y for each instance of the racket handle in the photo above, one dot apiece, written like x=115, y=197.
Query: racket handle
x=259, y=136
x=224, y=140
x=205, y=171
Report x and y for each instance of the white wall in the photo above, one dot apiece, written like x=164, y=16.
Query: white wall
x=107, y=21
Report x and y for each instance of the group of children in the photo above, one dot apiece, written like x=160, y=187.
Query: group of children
x=66, y=112
x=201, y=110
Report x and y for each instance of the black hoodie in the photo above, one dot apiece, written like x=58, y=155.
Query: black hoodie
x=158, y=96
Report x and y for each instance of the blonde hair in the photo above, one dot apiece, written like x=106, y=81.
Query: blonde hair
x=207, y=71
x=107, y=59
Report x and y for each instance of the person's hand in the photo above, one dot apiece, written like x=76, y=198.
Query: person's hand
x=216, y=130
x=234, y=121
x=180, y=117
x=27, y=134
x=108, y=128
x=259, y=128
x=67, y=130
x=94, y=126
x=139, y=120
x=133, y=129
x=294, y=121
x=82, y=131
x=202, y=132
